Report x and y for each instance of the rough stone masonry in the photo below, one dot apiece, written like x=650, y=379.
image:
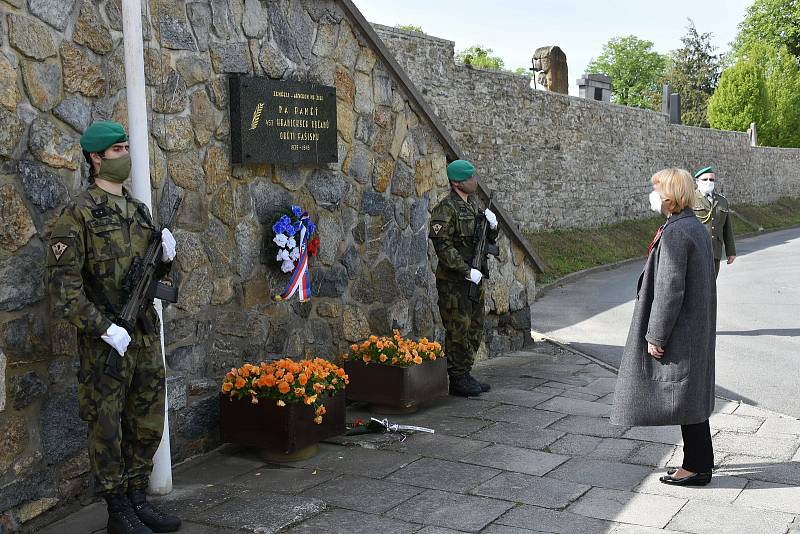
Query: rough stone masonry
x=61, y=67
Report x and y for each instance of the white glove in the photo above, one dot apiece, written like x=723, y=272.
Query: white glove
x=475, y=276
x=167, y=246
x=117, y=337
x=491, y=217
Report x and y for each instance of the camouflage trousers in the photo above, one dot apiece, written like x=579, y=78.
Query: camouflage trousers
x=463, y=324
x=126, y=419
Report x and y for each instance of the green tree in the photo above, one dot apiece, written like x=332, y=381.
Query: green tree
x=771, y=22
x=740, y=97
x=763, y=86
x=635, y=70
x=480, y=56
x=409, y=28
x=693, y=72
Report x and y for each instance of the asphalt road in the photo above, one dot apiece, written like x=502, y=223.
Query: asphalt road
x=758, y=319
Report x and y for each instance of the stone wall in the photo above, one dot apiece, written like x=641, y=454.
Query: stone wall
x=558, y=161
x=61, y=67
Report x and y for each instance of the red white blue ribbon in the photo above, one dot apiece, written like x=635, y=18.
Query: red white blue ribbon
x=300, y=281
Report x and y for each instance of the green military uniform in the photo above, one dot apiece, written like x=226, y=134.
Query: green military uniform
x=452, y=230
x=714, y=213
x=89, y=252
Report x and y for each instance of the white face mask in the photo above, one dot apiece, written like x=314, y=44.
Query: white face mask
x=705, y=186
x=655, y=201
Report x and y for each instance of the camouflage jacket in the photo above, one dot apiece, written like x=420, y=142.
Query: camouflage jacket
x=452, y=230
x=715, y=215
x=90, y=250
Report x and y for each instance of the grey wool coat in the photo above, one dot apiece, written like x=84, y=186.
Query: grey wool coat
x=676, y=308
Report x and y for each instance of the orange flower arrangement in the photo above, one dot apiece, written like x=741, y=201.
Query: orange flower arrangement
x=286, y=381
x=394, y=350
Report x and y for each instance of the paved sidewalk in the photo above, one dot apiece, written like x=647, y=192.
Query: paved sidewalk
x=536, y=454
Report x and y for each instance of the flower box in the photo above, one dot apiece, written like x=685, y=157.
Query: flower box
x=394, y=386
x=280, y=429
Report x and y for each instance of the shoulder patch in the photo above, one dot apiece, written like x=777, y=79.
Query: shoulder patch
x=437, y=227
x=61, y=250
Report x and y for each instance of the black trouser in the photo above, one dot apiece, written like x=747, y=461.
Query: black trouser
x=698, y=453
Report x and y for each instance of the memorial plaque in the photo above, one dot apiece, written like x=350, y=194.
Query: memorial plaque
x=274, y=121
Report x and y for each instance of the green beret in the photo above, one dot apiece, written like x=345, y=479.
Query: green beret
x=101, y=135
x=704, y=170
x=460, y=170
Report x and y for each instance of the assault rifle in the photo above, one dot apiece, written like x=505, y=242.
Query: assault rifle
x=482, y=248
x=140, y=287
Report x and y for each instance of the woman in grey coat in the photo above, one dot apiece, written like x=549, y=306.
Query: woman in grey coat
x=666, y=376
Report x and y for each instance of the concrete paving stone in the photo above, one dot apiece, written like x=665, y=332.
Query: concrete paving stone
x=592, y=369
x=461, y=407
x=527, y=383
x=451, y=510
x=442, y=422
x=775, y=425
x=516, y=459
x=192, y=500
x=670, y=435
x=734, y=423
x=757, y=468
x=607, y=399
x=781, y=447
x=576, y=393
x=701, y=517
x=522, y=415
x=439, y=445
x=722, y=488
x=601, y=386
x=653, y=454
x=438, y=474
x=639, y=529
x=262, y=512
x=726, y=406
x=503, y=529
x=770, y=496
x=362, y=494
x=560, y=378
x=627, y=507
x=358, y=461
x=752, y=411
x=796, y=457
x=87, y=519
x=576, y=407
x=281, y=479
x=339, y=521
x=527, y=489
x=439, y=530
x=612, y=475
x=590, y=426
x=553, y=521
x=217, y=466
x=517, y=397
x=511, y=361
x=616, y=449
x=518, y=435
x=559, y=368
x=575, y=445
x=558, y=389
x=190, y=527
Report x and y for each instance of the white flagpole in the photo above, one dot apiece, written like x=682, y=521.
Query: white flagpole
x=161, y=477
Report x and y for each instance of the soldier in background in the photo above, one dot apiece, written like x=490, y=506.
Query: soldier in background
x=91, y=248
x=712, y=210
x=452, y=230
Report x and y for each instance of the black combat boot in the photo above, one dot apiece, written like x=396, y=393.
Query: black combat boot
x=462, y=386
x=483, y=385
x=151, y=516
x=122, y=518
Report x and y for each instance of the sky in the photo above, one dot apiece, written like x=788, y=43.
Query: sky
x=515, y=28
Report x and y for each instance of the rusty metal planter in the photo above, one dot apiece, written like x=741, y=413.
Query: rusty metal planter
x=401, y=387
x=280, y=429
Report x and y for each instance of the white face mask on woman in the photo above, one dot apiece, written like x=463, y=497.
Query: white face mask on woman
x=705, y=186
x=655, y=201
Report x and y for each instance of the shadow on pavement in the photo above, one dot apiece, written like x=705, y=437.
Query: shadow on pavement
x=789, y=332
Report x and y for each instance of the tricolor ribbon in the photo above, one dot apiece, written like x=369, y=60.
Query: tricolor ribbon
x=300, y=281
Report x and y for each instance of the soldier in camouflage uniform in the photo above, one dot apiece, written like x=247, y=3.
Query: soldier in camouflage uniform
x=91, y=247
x=452, y=231
x=712, y=210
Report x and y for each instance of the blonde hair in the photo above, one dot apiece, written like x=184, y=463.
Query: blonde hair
x=676, y=185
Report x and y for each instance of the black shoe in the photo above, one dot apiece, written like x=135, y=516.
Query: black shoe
x=483, y=385
x=462, y=386
x=122, y=518
x=151, y=516
x=697, y=479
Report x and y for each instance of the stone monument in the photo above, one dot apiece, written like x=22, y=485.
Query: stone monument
x=550, y=66
x=595, y=87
